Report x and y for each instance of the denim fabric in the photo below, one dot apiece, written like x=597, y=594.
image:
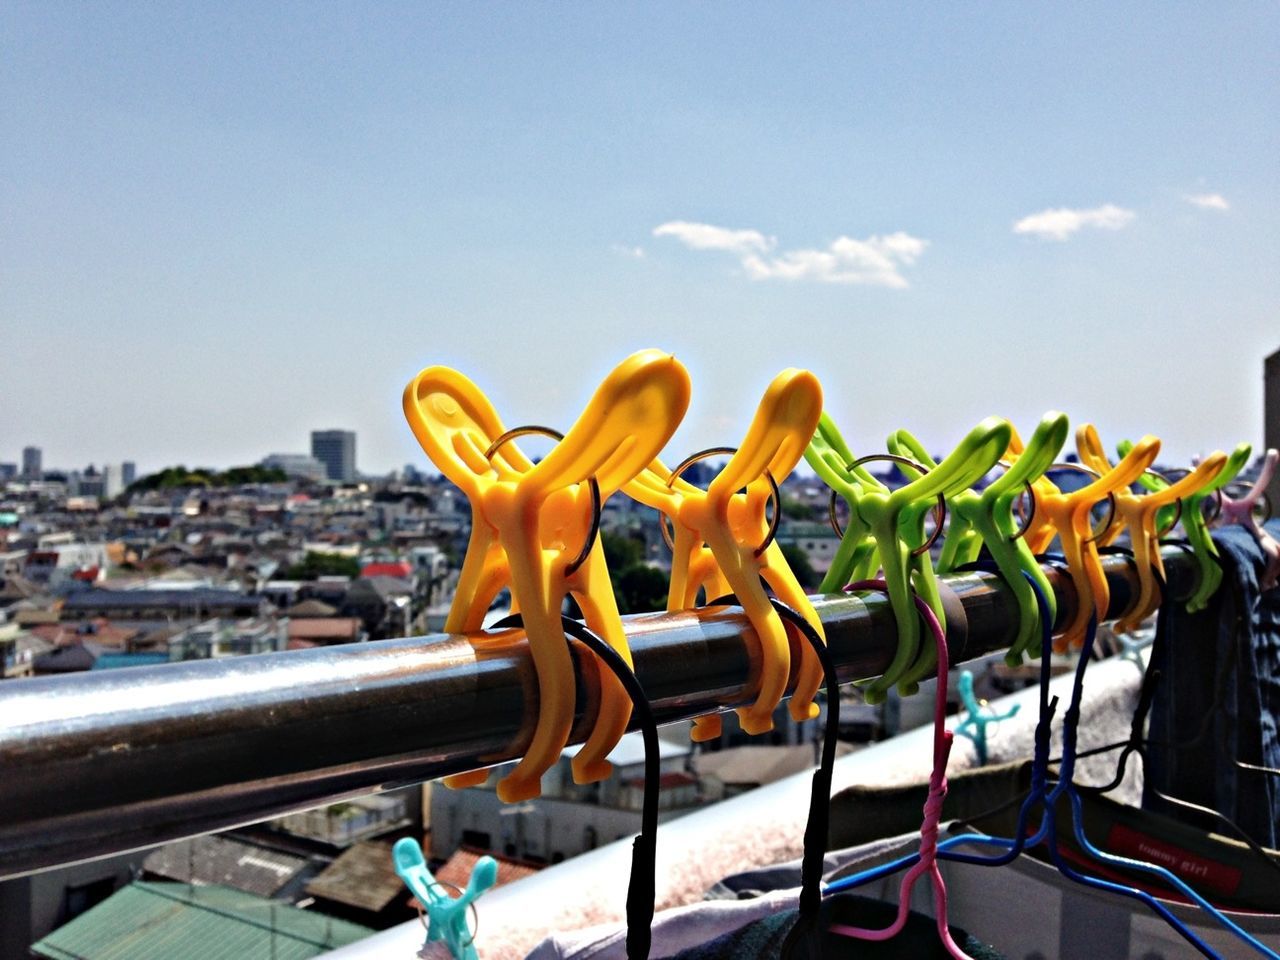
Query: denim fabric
x=1219, y=692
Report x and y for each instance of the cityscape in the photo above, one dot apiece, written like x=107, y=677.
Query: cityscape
x=102, y=569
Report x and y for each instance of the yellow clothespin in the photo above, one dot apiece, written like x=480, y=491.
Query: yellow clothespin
x=528, y=525
x=723, y=543
x=1069, y=517
x=1140, y=513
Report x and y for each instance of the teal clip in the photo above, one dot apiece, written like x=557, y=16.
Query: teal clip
x=987, y=518
x=446, y=915
x=886, y=530
x=1194, y=523
x=974, y=725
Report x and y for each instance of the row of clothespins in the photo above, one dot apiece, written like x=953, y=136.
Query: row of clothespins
x=534, y=531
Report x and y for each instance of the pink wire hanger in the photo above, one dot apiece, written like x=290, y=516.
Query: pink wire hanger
x=928, y=863
x=1241, y=511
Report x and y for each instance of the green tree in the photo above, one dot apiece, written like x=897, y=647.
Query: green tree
x=621, y=552
x=641, y=589
x=794, y=509
x=316, y=565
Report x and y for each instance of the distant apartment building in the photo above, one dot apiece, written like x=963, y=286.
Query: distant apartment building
x=32, y=463
x=1271, y=416
x=336, y=449
x=228, y=638
x=568, y=819
x=8, y=471
x=128, y=473
x=297, y=465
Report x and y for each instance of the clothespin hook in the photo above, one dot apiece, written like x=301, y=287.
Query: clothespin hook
x=774, y=494
x=594, y=485
x=446, y=916
x=939, y=510
x=1095, y=535
x=1028, y=513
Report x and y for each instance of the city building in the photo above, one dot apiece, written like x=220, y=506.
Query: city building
x=300, y=466
x=336, y=449
x=112, y=481
x=568, y=818
x=32, y=463
x=8, y=471
x=1271, y=417
x=128, y=473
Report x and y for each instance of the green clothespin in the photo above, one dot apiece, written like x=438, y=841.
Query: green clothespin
x=987, y=517
x=890, y=525
x=1193, y=522
x=446, y=915
x=974, y=725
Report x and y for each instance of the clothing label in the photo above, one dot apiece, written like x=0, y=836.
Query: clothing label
x=1200, y=872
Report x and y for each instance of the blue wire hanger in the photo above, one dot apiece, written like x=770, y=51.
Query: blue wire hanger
x=1041, y=795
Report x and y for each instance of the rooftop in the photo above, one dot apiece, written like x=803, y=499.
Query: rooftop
x=160, y=921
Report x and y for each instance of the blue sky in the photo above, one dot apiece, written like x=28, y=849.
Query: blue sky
x=224, y=225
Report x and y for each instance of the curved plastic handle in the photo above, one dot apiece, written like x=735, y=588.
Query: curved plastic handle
x=1143, y=515
x=628, y=420
x=524, y=519
x=1070, y=515
x=784, y=421
x=455, y=424
x=975, y=455
x=1193, y=522
x=996, y=523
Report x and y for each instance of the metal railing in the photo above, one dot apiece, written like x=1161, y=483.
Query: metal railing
x=105, y=762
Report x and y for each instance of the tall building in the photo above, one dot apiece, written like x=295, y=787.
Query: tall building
x=336, y=449
x=1271, y=417
x=32, y=463
x=128, y=473
x=112, y=486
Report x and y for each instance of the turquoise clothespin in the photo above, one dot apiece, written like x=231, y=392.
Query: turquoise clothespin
x=446, y=915
x=974, y=725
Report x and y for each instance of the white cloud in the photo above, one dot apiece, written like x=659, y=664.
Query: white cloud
x=636, y=253
x=703, y=236
x=875, y=261
x=1060, y=223
x=1208, y=201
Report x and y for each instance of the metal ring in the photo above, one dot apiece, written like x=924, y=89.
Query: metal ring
x=596, y=503
x=1026, y=515
x=1161, y=534
x=1181, y=472
x=1095, y=535
x=774, y=494
x=939, y=509
x=1247, y=487
x=472, y=929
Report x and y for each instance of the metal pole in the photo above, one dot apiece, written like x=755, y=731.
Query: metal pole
x=101, y=763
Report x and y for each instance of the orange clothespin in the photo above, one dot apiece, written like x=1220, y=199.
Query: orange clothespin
x=1140, y=514
x=723, y=543
x=1068, y=516
x=529, y=525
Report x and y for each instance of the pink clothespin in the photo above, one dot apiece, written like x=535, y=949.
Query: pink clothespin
x=1241, y=511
